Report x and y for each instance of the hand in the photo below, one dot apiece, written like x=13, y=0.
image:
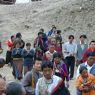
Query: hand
x=92, y=85
x=85, y=88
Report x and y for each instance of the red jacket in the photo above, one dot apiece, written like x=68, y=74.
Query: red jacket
x=84, y=58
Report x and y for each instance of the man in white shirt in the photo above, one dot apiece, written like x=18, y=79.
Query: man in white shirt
x=69, y=51
x=90, y=64
x=50, y=84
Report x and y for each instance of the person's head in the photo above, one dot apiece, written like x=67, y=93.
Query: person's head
x=41, y=30
x=12, y=38
x=71, y=38
x=18, y=44
x=2, y=86
x=54, y=28
x=83, y=71
x=15, y=88
x=37, y=64
x=56, y=58
x=53, y=41
x=47, y=69
x=82, y=38
x=18, y=35
x=58, y=32
x=40, y=34
x=91, y=58
x=28, y=46
x=51, y=48
x=92, y=44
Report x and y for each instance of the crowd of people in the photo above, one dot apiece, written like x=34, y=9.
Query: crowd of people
x=48, y=67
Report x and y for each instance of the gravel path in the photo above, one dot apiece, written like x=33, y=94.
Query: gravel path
x=6, y=71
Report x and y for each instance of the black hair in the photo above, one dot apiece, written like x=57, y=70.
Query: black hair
x=84, y=36
x=71, y=36
x=28, y=44
x=53, y=26
x=38, y=59
x=18, y=35
x=93, y=41
x=41, y=30
x=0, y=76
x=46, y=64
x=14, y=88
x=56, y=54
x=39, y=33
x=90, y=54
x=82, y=68
x=12, y=37
x=58, y=31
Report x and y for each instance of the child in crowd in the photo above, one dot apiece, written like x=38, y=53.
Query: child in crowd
x=28, y=55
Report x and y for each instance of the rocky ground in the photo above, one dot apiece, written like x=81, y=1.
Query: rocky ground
x=7, y=72
x=71, y=16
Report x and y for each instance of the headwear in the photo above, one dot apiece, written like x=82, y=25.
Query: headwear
x=18, y=35
x=82, y=68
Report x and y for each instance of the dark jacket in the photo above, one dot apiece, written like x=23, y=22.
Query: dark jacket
x=28, y=81
x=28, y=57
x=60, y=89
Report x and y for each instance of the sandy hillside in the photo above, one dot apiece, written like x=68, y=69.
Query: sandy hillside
x=71, y=16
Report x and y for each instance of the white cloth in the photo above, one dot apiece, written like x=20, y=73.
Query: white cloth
x=88, y=68
x=69, y=48
x=22, y=1
x=49, y=55
x=41, y=89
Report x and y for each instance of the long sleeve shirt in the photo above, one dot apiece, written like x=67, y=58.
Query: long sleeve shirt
x=45, y=87
x=17, y=53
x=85, y=64
x=69, y=49
x=84, y=58
x=28, y=79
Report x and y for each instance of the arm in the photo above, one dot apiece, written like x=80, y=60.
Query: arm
x=75, y=49
x=32, y=53
x=24, y=53
x=26, y=82
x=84, y=56
x=14, y=52
x=66, y=72
x=78, y=84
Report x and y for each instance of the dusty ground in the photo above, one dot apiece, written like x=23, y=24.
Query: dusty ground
x=6, y=71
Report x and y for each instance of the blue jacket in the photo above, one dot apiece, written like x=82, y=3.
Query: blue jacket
x=28, y=57
x=17, y=53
